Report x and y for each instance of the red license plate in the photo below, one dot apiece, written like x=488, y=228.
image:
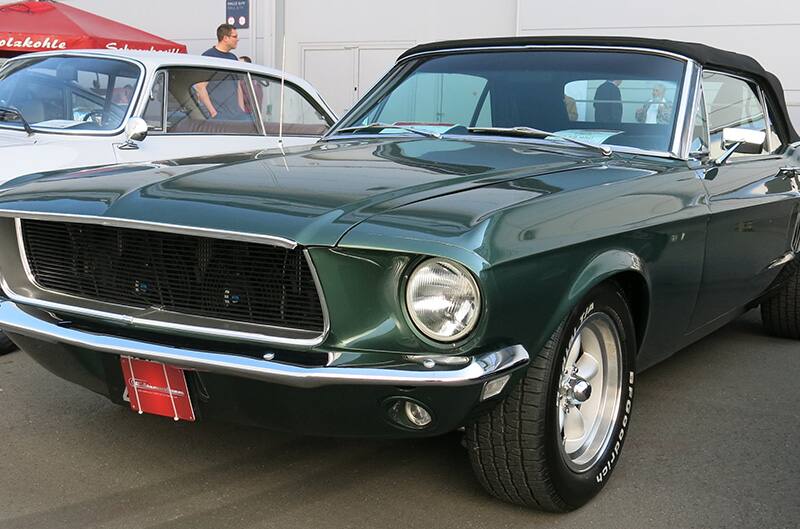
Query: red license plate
x=157, y=388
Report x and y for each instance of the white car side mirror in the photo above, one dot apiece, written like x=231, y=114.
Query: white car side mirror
x=135, y=130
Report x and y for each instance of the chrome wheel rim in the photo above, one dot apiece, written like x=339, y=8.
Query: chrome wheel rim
x=589, y=392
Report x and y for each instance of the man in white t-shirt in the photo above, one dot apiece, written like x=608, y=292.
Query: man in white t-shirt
x=657, y=109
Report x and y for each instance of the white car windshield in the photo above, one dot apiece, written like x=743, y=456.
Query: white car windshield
x=599, y=97
x=67, y=93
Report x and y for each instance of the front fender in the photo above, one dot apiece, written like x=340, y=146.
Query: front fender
x=601, y=267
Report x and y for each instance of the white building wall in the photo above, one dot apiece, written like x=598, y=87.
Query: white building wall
x=342, y=46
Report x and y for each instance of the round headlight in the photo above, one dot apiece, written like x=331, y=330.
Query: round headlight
x=443, y=300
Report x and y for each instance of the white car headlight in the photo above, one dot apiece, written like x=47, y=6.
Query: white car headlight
x=443, y=300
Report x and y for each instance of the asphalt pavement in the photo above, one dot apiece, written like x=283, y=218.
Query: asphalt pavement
x=713, y=443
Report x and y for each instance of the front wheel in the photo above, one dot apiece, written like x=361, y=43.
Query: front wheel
x=554, y=440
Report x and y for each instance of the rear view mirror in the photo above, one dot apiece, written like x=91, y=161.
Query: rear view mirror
x=750, y=141
x=738, y=139
x=135, y=130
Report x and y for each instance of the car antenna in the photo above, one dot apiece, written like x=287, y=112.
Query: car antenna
x=283, y=84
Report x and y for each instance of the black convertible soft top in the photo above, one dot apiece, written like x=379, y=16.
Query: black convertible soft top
x=706, y=56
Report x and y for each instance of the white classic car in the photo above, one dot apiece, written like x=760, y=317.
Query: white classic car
x=91, y=108
x=87, y=108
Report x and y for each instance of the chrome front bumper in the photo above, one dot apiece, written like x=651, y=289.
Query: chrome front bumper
x=40, y=325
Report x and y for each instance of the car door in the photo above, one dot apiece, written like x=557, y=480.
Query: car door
x=753, y=206
x=180, y=125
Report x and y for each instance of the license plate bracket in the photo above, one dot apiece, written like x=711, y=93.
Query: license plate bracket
x=157, y=388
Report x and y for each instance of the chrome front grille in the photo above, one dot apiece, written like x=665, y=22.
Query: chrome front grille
x=248, y=282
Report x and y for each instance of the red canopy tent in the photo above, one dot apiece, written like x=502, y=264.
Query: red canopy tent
x=43, y=26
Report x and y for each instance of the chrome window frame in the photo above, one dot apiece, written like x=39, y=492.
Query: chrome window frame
x=177, y=322
x=678, y=145
x=165, y=68
x=315, y=103
x=135, y=98
x=764, y=109
x=699, y=99
x=146, y=98
x=768, y=121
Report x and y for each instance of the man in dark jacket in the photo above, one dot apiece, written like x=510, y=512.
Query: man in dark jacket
x=608, y=103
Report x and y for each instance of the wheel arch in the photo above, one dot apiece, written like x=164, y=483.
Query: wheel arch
x=626, y=270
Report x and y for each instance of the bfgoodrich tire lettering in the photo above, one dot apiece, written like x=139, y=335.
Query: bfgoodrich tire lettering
x=517, y=449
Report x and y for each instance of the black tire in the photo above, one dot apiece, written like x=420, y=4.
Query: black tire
x=780, y=314
x=6, y=345
x=515, y=448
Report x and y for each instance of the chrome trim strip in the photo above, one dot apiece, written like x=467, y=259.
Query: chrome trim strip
x=169, y=326
x=256, y=105
x=508, y=139
x=152, y=226
x=22, y=253
x=782, y=260
x=326, y=321
x=15, y=320
x=551, y=47
x=686, y=114
x=767, y=120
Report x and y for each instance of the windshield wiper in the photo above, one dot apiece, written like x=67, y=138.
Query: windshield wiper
x=378, y=125
x=15, y=112
x=537, y=133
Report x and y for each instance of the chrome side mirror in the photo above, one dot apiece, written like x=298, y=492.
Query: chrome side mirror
x=135, y=130
x=738, y=139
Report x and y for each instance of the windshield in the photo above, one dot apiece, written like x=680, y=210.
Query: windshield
x=68, y=93
x=614, y=98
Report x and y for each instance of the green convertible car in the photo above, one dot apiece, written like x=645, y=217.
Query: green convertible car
x=497, y=237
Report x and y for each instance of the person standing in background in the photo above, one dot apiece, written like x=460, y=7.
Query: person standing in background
x=657, y=109
x=227, y=40
x=218, y=96
x=608, y=103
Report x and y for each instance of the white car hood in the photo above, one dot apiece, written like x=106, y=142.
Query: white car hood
x=24, y=155
x=13, y=138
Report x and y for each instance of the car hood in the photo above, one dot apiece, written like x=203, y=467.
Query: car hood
x=312, y=195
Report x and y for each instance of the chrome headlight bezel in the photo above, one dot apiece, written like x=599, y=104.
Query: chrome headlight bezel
x=464, y=273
